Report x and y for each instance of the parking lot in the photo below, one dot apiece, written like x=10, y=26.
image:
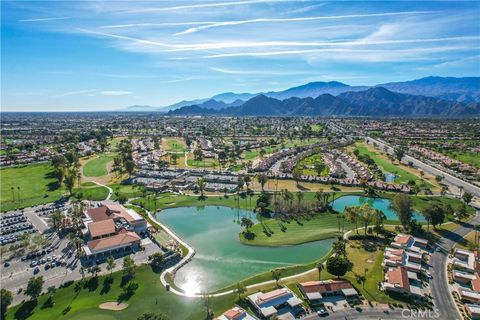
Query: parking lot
x=13, y=227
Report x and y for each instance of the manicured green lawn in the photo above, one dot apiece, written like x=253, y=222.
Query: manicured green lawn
x=205, y=163
x=316, y=127
x=97, y=167
x=129, y=190
x=306, y=165
x=37, y=186
x=321, y=226
x=81, y=302
x=175, y=145
x=97, y=193
x=471, y=158
x=387, y=166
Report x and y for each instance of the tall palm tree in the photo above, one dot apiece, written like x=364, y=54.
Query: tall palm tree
x=320, y=268
x=262, y=179
x=18, y=193
x=201, y=186
x=352, y=215
x=319, y=198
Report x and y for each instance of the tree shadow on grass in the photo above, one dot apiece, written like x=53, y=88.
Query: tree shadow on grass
x=91, y=284
x=249, y=235
x=26, y=309
x=107, y=285
x=128, y=291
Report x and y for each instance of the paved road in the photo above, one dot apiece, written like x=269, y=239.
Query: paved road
x=449, y=179
x=366, y=313
x=442, y=296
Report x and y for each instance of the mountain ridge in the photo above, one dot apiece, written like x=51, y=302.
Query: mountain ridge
x=376, y=101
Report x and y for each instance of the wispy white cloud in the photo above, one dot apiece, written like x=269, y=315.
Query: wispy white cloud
x=359, y=54
x=43, y=19
x=203, y=5
x=162, y=24
x=115, y=93
x=170, y=47
x=75, y=93
x=92, y=93
x=263, y=20
x=258, y=72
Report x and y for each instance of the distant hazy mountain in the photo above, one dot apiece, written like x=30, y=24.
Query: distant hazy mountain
x=456, y=89
x=139, y=109
x=229, y=97
x=375, y=101
x=466, y=90
x=314, y=89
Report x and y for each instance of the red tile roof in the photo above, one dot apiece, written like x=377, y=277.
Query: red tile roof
x=116, y=240
x=101, y=228
x=399, y=276
x=234, y=313
x=325, y=286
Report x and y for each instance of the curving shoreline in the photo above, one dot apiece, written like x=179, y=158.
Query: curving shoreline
x=191, y=252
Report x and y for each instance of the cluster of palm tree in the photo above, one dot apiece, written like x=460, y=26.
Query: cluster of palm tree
x=366, y=215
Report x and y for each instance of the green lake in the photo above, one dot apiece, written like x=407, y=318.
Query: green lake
x=220, y=258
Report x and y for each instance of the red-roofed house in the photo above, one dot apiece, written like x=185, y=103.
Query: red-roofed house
x=315, y=291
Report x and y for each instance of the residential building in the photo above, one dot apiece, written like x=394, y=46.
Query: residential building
x=275, y=303
x=316, y=291
x=400, y=280
x=236, y=313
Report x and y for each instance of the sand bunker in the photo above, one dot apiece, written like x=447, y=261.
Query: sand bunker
x=113, y=305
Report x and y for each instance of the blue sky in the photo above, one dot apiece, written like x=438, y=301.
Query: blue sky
x=101, y=55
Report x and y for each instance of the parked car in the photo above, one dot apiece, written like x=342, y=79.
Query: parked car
x=322, y=312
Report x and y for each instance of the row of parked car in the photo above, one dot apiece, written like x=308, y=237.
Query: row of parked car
x=45, y=211
x=15, y=228
x=10, y=215
x=11, y=238
x=13, y=220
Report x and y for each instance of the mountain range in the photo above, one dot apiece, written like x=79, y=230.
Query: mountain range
x=426, y=96
x=376, y=101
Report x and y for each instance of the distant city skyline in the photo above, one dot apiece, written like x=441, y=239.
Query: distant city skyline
x=96, y=56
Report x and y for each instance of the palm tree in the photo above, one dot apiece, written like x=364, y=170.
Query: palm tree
x=262, y=179
x=352, y=215
x=276, y=274
x=13, y=193
x=110, y=264
x=18, y=193
x=320, y=267
x=56, y=219
x=378, y=218
x=201, y=186
x=319, y=198
x=299, y=197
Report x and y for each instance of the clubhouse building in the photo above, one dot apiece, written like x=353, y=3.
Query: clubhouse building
x=112, y=229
